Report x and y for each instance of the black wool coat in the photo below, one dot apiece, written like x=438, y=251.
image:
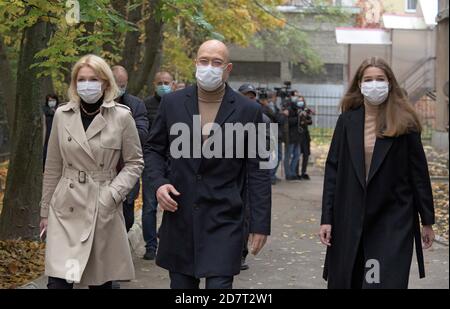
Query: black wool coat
x=204, y=237
x=381, y=213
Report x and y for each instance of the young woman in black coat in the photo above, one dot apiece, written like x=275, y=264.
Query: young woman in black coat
x=376, y=186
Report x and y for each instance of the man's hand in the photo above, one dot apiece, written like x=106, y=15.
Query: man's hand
x=165, y=201
x=325, y=234
x=427, y=236
x=257, y=242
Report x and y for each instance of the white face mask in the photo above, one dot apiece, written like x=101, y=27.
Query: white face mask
x=209, y=78
x=51, y=103
x=90, y=91
x=375, y=92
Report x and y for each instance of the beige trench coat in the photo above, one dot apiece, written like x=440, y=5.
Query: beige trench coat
x=82, y=194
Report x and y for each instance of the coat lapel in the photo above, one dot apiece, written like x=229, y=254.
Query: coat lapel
x=75, y=128
x=355, y=136
x=191, y=105
x=98, y=124
x=381, y=149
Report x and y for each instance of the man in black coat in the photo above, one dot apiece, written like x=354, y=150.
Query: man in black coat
x=139, y=114
x=163, y=84
x=204, y=199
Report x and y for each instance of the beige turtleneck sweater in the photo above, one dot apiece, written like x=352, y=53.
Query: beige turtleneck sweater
x=370, y=134
x=208, y=105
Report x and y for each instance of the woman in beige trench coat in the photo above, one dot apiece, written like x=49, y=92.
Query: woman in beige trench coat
x=82, y=193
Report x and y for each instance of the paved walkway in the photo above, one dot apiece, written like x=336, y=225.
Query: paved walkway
x=293, y=256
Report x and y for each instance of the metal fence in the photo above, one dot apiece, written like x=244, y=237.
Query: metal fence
x=326, y=113
x=326, y=109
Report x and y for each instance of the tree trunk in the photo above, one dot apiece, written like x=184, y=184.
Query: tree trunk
x=7, y=85
x=152, y=45
x=120, y=6
x=20, y=215
x=131, y=51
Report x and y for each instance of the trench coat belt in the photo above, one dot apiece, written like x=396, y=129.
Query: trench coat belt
x=82, y=176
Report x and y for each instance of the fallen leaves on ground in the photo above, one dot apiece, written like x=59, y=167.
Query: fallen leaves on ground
x=3, y=172
x=437, y=162
x=440, y=195
x=21, y=261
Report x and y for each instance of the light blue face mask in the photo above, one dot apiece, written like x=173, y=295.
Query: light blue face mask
x=163, y=89
x=122, y=91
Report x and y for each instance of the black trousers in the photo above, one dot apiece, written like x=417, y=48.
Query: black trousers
x=62, y=284
x=246, y=232
x=305, y=151
x=181, y=281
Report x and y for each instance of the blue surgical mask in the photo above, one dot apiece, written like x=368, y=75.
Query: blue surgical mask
x=163, y=89
x=122, y=91
x=300, y=104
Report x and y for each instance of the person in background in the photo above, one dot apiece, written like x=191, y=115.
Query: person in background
x=180, y=86
x=163, y=83
x=49, y=109
x=376, y=186
x=280, y=119
x=292, y=154
x=139, y=113
x=249, y=91
x=305, y=120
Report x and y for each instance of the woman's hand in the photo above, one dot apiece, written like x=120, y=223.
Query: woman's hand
x=427, y=236
x=43, y=228
x=325, y=234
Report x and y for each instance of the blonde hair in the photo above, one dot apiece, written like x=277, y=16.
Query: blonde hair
x=103, y=72
x=396, y=116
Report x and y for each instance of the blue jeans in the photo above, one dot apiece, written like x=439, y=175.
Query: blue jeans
x=149, y=209
x=273, y=172
x=291, y=158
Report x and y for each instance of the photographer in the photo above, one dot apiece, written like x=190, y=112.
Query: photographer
x=304, y=121
x=292, y=150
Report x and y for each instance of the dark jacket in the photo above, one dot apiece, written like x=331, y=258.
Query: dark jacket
x=152, y=104
x=204, y=237
x=49, y=113
x=293, y=126
x=380, y=214
x=139, y=113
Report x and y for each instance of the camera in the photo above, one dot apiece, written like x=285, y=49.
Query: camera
x=285, y=91
x=262, y=93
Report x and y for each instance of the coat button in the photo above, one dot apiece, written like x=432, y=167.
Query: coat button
x=71, y=186
x=69, y=138
x=102, y=165
x=199, y=177
x=71, y=209
x=70, y=164
x=196, y=207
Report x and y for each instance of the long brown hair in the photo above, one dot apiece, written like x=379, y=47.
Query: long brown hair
x=396, y=116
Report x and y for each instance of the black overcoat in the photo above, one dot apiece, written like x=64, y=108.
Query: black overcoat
x=204, y=237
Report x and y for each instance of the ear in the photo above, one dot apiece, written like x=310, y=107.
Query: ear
x=229, y=67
